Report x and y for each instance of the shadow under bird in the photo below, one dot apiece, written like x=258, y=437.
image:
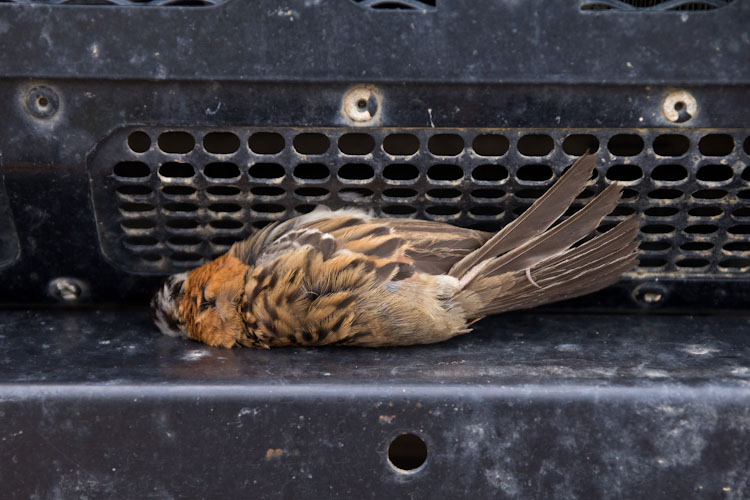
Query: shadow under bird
x=343, y=277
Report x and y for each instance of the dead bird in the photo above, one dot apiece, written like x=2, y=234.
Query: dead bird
x=343, y=277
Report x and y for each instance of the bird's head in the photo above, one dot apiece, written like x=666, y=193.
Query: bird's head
x=204, y=303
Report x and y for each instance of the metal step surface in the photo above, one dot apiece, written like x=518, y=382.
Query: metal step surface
x=98, y=404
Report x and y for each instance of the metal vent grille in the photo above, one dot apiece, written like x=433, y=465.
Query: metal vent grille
x=654, y=5
x=398, y=4
x=123, y=3
x=170, y=199
x=8, y=238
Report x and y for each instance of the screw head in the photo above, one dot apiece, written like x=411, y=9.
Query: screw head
x=42, y=102
x=679, y=106
x=650, y=294
x=67, y=290
x=361, y=105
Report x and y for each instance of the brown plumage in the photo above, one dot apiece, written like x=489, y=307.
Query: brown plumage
x=346, y=278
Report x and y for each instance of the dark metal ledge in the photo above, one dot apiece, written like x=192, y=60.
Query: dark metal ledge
x=97, y=404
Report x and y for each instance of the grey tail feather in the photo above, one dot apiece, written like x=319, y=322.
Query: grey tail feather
x=584, y=269
x=536, y=219
x=559, y=238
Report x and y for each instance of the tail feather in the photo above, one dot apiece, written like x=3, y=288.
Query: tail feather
x=582, y=284
x=584, y=269
x=535, y=220
x=559, y=238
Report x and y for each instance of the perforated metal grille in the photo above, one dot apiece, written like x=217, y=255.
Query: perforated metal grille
x=170, y=199
x=398, y=4
x=654, y=5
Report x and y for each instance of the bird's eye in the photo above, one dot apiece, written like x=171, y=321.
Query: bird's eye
x=206, y=303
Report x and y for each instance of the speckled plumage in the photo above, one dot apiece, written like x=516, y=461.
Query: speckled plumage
x=346, y=278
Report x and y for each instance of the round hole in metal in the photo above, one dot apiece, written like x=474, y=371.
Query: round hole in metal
x=579, y=144
x=139, y=142
x=401, y=172
x=134, y=190
x=444, y=172
x=716, y=144
x=400, y=193
x=705, y=212
x=715, y=173
x=665, y=194
x=489, y=173
x=696, y=246
x=311, y=171
x=535, y=173
x=176, y=142
x=737, y=246
x=221, y=143
x=488, y=194
x=311, y=192
x=625, y=144
x=182, y=224
x=355, y=194
x=535, y=145
x=132, y=169
x=266, y=143
x=402, y=210
x=627, y=173
x=138, y=224
x=178, y=190
x=356, y=144
x=671, y=145
x=228, y=190
x=176, y=169
x=407, y=452
x=445, y=144
x=669, y=173
x=356, y=172
x=221, y=170
x=311, y=143
x=401, y=144
x=490, y=145
x=654, y=246
x=444, y=193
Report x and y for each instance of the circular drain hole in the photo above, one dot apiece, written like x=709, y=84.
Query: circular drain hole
x=407, y=452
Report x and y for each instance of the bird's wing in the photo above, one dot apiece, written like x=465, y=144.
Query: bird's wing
x=431, y=247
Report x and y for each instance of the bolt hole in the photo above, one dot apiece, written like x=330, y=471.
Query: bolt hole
x=42, y=102
x=407, y=452
x=679, y=106
x=362, y=104
x=649, y=294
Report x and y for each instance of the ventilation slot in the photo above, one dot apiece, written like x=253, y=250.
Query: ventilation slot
x=425, y=5
x=178, y=197
x=654, y=5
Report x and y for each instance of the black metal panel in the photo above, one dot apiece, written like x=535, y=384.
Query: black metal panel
x=60, y=156
x=534, y=41
x=98, y=404
x=8, y=237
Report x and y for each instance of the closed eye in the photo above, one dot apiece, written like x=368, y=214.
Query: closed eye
x=206, y=303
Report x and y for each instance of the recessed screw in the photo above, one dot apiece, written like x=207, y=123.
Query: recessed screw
x=66, y=289
x=649, y=294
x=361, y=105
x=42, y=102
x=679, y=106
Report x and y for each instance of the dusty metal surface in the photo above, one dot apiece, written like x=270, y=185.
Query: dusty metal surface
x=8, y=238
x=99, y=404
